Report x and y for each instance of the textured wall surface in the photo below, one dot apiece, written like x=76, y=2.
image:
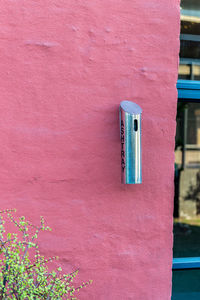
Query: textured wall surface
x=65, y=66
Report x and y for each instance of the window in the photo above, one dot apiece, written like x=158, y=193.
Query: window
x=187, y=157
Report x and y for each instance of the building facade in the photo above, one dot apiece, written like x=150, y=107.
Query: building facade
x=65, y=67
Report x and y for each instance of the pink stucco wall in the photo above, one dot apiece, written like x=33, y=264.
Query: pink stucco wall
x=65, y=66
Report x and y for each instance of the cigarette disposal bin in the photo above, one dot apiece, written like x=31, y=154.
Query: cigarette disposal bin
x=131, y=151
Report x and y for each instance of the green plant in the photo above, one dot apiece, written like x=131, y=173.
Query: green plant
x=24, y=273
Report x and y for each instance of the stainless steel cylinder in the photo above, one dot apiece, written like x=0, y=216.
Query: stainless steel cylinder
x=131, y=151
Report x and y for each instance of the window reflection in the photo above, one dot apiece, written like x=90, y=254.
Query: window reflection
x=192, y=155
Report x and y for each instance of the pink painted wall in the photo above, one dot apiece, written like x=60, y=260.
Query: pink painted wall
x=65, y=66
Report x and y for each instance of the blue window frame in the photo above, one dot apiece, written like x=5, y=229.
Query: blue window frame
x=188, y=90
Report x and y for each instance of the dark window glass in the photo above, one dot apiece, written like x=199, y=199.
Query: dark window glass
x=190, y=49
x=190, y=27
x=190, y=40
